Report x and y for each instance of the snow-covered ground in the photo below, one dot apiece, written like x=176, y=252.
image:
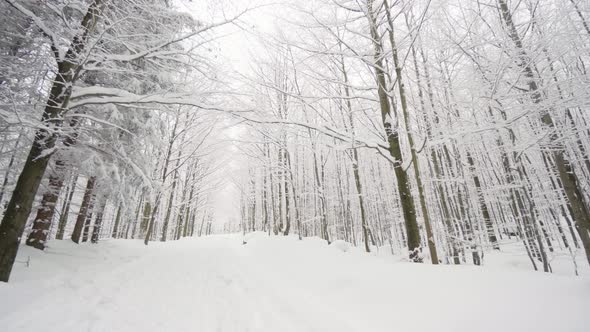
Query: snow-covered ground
x=275, y=284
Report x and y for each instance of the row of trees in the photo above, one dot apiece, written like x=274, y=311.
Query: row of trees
x=453, y=126
x=441, y=129
x=105, y=113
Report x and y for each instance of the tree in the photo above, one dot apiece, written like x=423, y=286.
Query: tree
x=99, y=46
x=28, y=182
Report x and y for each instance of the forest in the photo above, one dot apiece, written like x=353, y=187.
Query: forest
x=420, y=132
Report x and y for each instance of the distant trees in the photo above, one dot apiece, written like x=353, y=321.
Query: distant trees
x=441, y=125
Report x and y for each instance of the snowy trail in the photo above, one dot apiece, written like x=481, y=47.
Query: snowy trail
x=274, y=284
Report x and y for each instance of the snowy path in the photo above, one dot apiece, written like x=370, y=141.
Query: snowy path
x=218, y=284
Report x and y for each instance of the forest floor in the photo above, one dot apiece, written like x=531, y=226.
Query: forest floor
x=275, y=284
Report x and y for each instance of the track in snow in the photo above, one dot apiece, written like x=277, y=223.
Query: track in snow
x=276, y=284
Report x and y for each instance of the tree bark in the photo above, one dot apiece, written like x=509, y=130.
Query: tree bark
x=289, y=178
x=19, y=207
x=84, y=210
x=413, y=153
x=170, y=201
x=483, y=206
x=63, y=218
x=10, y=165
x=187, y=225
x=355, y=158
x=152, y=220
x=44, y=218
x=42, y=223
x=88, y=221
x=403, y=183
x=115, y=233
x=98, y=222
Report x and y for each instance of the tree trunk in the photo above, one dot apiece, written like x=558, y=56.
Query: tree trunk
x=355, y=158
x=187, y=225
x=63, y=218
x=10, y=165
x=403, y=184
x=203, y=222
x=483, y=206
x=46, y=212
x=98, y=222
x=115, y=233
x=170, y=201
x=192, y=225
x=281, y=188
x=180, y=224
x=39, y=232
x=19, y=207
x=264, y=192
x=152, y=220
x=359, y=189
x=287, y=167
x=145, y=219
x=84, y=210
x=88, y=221
x=320, y=188
x=150, y=223
x=413, y=153
x=566, y=174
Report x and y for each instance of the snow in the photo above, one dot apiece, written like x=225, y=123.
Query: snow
x=341, y=245
x=275, y=284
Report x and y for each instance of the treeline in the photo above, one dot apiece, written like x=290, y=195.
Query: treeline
x=95, y=141
x=440, y=129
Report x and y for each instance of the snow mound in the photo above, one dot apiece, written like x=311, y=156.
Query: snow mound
x=341, y=245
